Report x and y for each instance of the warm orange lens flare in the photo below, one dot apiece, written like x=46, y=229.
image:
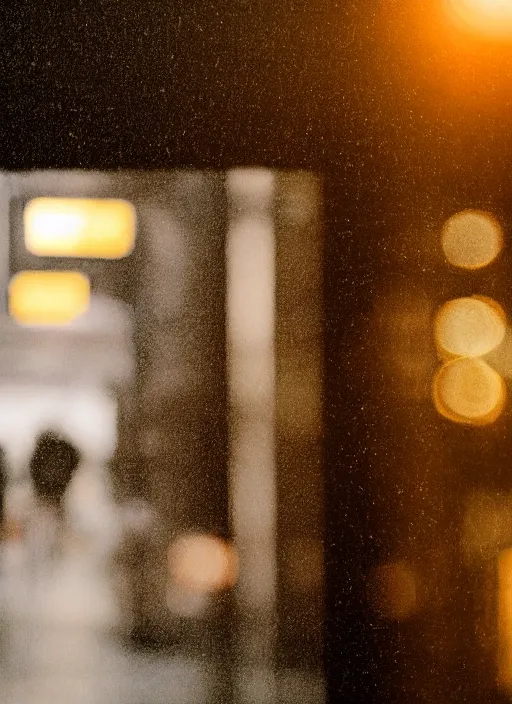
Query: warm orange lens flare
x=490, y=18
x=469, y=327
x=471, y=239
x=79, y=227
x=469, y=391
x=505, y=619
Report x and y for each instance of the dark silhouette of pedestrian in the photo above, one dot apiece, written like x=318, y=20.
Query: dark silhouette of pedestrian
x=3, y=487
x=53, y=463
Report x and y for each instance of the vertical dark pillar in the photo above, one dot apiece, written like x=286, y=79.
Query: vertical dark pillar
x=425, y=600
x=299, y=470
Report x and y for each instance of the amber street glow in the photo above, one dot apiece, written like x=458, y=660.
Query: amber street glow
x=471, y=239
x=486, y=526
x=50, y=298
x=469, y=327
x=505, y=619
x=469, y=391
x=394, y=590
x=79, y=227
x=203, y=563
x=492, y=18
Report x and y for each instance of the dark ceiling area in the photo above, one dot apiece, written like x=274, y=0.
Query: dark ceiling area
x=121, y=84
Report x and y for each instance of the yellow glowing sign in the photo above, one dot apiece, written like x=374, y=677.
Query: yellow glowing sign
x=471, y=239
x=492, y=18
x=79, y=227
x=48, y=298
x=469, y=327
x=469, y=391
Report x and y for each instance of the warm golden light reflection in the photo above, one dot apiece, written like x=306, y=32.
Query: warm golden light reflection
x=469, y=327
x=48, y=297
x=469, y=391
x=394, y=590
x=505, y=618
x=487, y=525
x=203, y=563
x=501, y=357
x=12, y=530
x=471, y=239
x=79, y=227
x=487, y=17
x=403, y=323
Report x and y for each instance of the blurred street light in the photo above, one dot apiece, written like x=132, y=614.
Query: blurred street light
x=489, y=18
x=44, y=298
x=80, y=227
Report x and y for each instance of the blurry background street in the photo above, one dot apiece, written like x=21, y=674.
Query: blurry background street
x=160, y=433
x=58, y=629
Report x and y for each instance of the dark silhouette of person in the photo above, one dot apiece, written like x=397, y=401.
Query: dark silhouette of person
x=3, y=487
x=52, y=466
